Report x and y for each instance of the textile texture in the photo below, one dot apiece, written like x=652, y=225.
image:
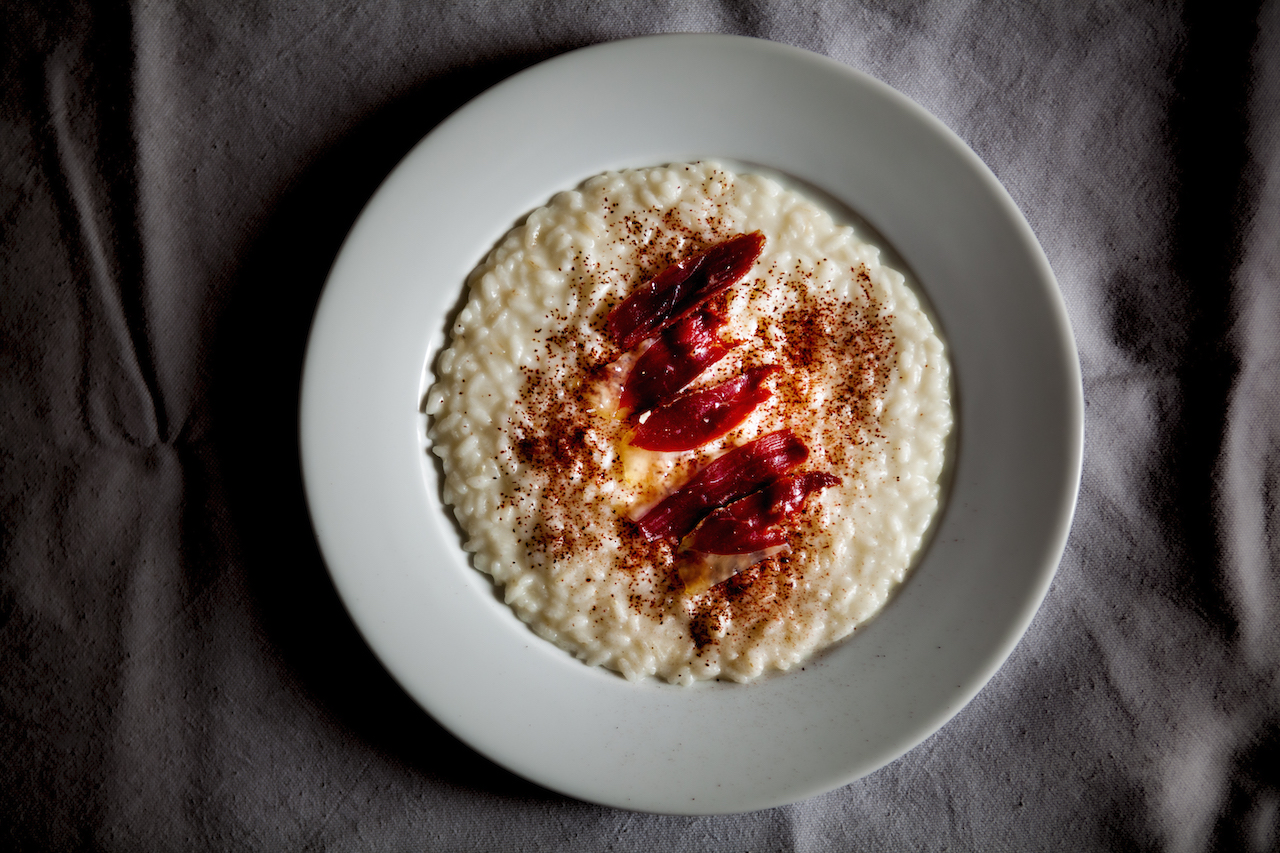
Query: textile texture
x=176, y=671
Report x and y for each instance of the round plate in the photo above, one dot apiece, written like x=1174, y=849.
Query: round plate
x=438, y=625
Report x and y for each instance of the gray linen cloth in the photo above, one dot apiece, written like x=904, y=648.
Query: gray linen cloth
x=176, y=672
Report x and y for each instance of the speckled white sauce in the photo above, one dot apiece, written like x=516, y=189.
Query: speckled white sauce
x=539, y=481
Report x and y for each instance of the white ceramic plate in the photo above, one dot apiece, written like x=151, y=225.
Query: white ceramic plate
x=437, y=624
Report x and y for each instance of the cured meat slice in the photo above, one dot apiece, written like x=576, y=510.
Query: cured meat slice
x=682, y=287
x=739, y=535
x=750, y=524
x=679, y=355
x=736, y=474
x=693, y=419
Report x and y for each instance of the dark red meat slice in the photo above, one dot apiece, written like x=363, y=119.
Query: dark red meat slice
x=750, y=524
x=693, y=419
x=675, y=359
x=681, y=288
x=736, y=474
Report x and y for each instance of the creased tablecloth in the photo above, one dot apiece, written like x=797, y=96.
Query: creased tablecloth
x=176, y=672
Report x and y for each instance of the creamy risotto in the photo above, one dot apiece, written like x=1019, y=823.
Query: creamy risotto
x=539, y=458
